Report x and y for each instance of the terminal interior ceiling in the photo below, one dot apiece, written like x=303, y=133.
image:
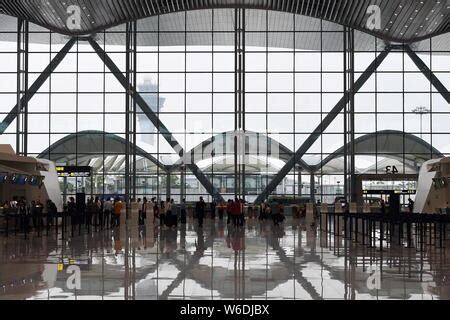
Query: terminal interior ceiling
x=331, y=99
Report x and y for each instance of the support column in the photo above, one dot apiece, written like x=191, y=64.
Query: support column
x=92, y=185
x=183, y=183
x=312, y=183
x=65, y=191
x=349, y=116
x=239, y=141
x=22, y=88
x=130, y=116
x=168, y=185
x=299, y=183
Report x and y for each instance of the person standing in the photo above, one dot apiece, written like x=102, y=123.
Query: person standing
x=213, y=209
x=411, y=205
x=169, y=217
x=173, y=213
x=267, y=211
x=183, y=211
x=144, y=208
x=150, y=209
x=162, y=214
x=96, y=211
x=118, y=206
x=155, y=209
x=39, y=208
x=229, y=211
x=262, y=209
x=90, y=212
x=278, y=215
x=52, y=212
x=241, y=212
x=200, y=210
x=72, y=211
x=23, y=214
x=221, y=208
x=236, y=210
x=383, y=206
x=107, y=212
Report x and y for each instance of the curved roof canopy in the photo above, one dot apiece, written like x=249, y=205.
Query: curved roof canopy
x=260, y=152
x=88, y=148
x=389, y=144
x=402, y=21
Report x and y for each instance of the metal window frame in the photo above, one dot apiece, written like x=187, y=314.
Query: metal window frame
x=162, y=129
x=323, y=125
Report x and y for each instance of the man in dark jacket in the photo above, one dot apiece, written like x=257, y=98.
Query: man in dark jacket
x=200, y=210
x=52, y=212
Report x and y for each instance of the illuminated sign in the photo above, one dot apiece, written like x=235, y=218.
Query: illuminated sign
x=73, y=171
x=21, y=179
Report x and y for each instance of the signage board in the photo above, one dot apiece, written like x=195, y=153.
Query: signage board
x=73, y=171
x=389, y=191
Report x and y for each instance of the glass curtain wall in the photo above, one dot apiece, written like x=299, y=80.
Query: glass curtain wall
x=294, y=76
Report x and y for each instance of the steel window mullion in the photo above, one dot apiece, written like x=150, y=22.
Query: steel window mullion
x=323, y=125
x=428, y=74
x=44, y=75
x=155, y=120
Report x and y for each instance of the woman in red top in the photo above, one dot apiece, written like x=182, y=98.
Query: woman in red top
x=236, y=211
x=229, y=210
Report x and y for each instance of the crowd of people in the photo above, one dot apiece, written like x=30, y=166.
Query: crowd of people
x=32, y=213
x=106, y=212
x=236, y=211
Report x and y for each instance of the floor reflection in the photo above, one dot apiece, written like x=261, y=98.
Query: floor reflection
x=260, y=261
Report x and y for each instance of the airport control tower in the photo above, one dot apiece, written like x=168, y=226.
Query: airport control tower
x=149, y=92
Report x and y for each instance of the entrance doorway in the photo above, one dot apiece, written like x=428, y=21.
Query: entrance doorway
x=394, y=189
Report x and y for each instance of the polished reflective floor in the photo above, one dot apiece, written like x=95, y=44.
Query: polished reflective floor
x=260, y=261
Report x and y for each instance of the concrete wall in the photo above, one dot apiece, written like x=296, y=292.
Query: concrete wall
x=428, y=198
